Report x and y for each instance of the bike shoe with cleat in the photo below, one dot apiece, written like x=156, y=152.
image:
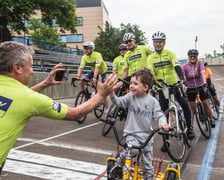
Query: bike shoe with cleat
x=212, y=124
x=190, y=134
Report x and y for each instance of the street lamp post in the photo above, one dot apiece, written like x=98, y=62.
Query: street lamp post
x=195, y=42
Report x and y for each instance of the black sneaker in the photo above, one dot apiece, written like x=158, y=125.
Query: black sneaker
x=212, y=124
x=115, y=172
x=190, y=134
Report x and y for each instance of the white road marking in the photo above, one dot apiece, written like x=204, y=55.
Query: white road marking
x=68, y=146
x=51, y=167
x=56, y=136
x=218, y=79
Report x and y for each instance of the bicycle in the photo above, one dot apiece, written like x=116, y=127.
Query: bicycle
x=131, y=169
x=176, y=143
x=115, y=111
x=201, y=116
x=213, y=106
x=86, y=94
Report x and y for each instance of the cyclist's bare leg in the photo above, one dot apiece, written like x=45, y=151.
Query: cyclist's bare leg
x=192, y=106
x=217, y=102
x=208, y=111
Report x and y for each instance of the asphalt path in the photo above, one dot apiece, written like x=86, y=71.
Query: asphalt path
x=51, y=149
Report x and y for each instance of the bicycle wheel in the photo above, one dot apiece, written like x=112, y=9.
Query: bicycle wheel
x=183, y=127
x=110, y=118
x=203, y=121
x=214, y=107
x=81, y=98
x=175, y=141
x=99, y=109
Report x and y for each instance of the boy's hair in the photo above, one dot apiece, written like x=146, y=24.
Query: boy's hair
x=145, y=76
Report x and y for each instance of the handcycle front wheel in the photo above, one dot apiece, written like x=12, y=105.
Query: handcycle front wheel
x=203, y=121
x=175, y=141
x=81, y=98
x=173, y=171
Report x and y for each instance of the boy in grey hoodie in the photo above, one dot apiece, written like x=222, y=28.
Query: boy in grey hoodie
x=142, y=109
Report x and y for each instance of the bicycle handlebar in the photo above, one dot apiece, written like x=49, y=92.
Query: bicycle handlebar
x=124, y=81
x=79, y=79
x=157, y=130
x=177, y=84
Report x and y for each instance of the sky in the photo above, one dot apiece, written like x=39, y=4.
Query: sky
x=180, y=20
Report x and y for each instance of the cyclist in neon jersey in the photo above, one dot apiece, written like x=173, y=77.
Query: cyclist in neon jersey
x=136, y=57
x=164, y=65
x=98, y=66
x=211, y=86
x=18, y=103
x=118, y=62
x=194, y=72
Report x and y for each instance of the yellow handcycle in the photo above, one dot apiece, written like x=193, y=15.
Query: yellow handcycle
x=131, y=169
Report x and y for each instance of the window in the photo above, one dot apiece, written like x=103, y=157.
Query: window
x=72, y=38
x=79, y=21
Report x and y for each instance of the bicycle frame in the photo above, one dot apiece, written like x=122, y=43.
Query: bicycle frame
x=173, y=105
x=175, y=142
x=115, y=111
x=84, y=95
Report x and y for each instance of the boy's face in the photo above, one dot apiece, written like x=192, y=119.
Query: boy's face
x=137, y=88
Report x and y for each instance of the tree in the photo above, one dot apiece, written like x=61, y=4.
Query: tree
x=135, y=29
x=13, y=13
x=43, y=32
x=108, y=40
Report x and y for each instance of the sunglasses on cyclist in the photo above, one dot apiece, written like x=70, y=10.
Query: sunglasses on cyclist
x=158, y=41
x=128, y=41
x=122, y=49
x=86, y=47
x=193, y=57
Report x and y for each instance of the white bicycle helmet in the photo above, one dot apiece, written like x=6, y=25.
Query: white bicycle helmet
x=159, y=35
x=89, y=44
x=128, y=36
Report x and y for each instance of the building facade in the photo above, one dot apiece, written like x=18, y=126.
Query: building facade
x=91, y=14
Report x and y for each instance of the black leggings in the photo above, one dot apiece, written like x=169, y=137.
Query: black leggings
x=182, y=100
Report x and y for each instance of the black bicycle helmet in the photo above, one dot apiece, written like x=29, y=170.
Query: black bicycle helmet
x=193, y=52
x=205, y=63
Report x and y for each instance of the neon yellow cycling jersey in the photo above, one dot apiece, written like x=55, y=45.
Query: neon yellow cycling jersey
x=93, y=60
x=162, y=65
x=119, y=65
x=17, y=104
x=137, y=58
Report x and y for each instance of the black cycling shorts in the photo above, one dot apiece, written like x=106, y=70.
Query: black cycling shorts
x=192, y=92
